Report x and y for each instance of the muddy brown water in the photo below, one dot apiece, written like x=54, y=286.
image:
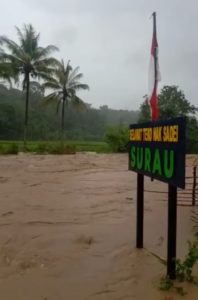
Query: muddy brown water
x=67, y=230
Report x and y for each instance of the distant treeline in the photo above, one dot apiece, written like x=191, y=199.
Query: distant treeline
x=44, y=121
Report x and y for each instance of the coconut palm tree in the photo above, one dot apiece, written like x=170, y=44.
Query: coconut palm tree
x=65, y=84
x=25, y=60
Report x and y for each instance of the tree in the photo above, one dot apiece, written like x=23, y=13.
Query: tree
x=5, y=73
x=65, y=83
x=173, y=103
x=26, y=59
x=7, y=120
x=117, y=137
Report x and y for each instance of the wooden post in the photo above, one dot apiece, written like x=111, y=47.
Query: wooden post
x=172, y=231
x=140, y=211
x=194, y=186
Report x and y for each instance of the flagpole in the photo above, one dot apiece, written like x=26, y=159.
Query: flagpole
x=155, y=50
x=155, y=54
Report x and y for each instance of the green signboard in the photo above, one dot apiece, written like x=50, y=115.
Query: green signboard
x=157, y=149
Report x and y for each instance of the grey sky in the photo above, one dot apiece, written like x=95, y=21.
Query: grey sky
x=110, y=41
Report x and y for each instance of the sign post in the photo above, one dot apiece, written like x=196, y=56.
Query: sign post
x=172, y=231
x=140, y=211
x=157, y=150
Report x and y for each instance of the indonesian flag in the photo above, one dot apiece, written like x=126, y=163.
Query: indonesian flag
x=154, y=77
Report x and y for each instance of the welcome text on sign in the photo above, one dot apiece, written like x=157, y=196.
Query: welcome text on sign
x=169, y=133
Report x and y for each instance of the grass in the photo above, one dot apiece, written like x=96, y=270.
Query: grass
x=53, y=147
x=11, y=148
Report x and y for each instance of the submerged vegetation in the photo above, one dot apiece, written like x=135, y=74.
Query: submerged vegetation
x=184, y=270
x=54, y=147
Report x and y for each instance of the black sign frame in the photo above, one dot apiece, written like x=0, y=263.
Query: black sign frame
x=174, y=149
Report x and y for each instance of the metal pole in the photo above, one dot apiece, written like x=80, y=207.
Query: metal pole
x=155, y=50
x=172, y=231
x=194, y=186
x=140, y=211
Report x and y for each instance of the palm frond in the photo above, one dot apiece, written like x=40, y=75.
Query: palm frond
x=78, y=104
x=42, y=53
x=74, y=73
x=51, y=98
x=48, y=61
x=9, y=58
x=75, y=77
x=28, y=39
x=52, y=85
x=12, y=46
x=46, y=76
x=60, y=76
x=68, y=69
x=6, y=72
x=20, y=34
x=65, y=82
x=36, y=87
x=78, y=86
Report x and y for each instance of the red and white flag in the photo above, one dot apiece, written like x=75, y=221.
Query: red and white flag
x=154, y=75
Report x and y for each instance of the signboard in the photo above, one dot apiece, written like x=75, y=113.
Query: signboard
x=157, y=149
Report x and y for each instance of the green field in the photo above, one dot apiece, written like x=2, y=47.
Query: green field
x=53, y=147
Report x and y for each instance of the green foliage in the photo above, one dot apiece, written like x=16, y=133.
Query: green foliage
x=144, y=115
x=65, y=83
x=52, y=148
x=13, y=149
x=191, y=135
x=71, y=147
x=9, y=149
x=98, y=147
x=165, y=284
x=173, y=103
x=25, y=60
x=42, y=148
x=60, y=148
x=115, y=117
x=117, y=138
x=55, y=147
x=44, y=123
x=184, y=269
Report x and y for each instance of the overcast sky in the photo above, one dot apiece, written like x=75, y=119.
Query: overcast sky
x=110, y=41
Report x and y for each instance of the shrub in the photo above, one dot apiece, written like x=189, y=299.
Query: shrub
x=165, y=284
x=42, y=148
x=1, y=149
x=9, y=149
x=184, y=268
x=54, y=148
x=62, y=149
x=117, y=138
